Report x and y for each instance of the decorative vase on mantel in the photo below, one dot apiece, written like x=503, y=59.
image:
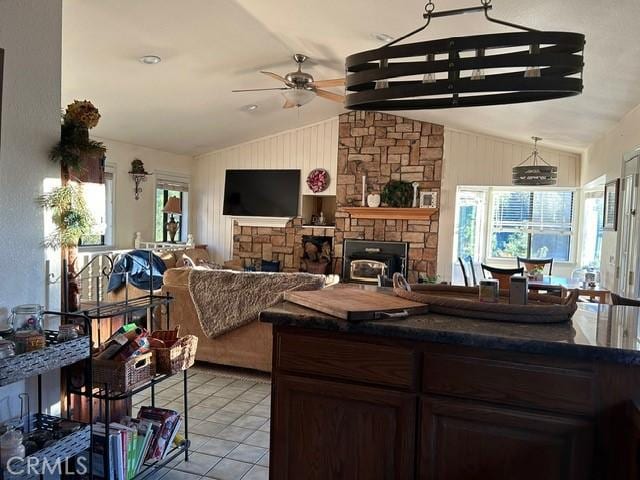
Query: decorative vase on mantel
x=373, y=200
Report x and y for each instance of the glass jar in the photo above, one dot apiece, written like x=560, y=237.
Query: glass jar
x=7, y=349
x=67, y=332
x=26, y=317
x=11, y=446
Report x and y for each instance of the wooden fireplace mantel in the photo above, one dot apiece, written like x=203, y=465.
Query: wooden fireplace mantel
x=388, y=213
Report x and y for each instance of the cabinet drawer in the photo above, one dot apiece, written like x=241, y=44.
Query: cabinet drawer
x=359, y=361
x=522, y=384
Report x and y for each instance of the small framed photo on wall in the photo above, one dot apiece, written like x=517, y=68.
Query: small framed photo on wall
x=428, y=199
x=611, y=194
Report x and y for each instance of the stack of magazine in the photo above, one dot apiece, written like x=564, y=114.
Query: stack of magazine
x=134, y=442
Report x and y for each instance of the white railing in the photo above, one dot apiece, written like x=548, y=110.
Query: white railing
x=162, y=246
x=94, y=280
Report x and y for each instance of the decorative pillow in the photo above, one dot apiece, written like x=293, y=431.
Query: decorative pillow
x=267, y=266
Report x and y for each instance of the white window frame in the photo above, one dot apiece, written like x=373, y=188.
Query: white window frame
x=110, y=214
x=172, y=177
x=574, y=221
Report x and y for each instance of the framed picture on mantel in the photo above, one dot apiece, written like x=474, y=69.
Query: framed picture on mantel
x=611, y=194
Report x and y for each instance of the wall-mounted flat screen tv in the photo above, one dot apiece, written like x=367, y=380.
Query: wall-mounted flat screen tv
x=261, y=193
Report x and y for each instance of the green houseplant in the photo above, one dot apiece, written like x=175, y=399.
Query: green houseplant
x=397, y=194
x=70, y=215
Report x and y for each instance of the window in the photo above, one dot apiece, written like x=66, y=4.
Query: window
x=166, y=188
x=592, y=222
x=535, y=224
x=470, y=215
x=99, y=198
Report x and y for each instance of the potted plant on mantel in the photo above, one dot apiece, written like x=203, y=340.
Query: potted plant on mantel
x=81, y=159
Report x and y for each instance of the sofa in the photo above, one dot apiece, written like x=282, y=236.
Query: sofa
x=247, y=347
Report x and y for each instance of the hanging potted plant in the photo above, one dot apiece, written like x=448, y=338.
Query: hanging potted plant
x=70, y=215
x=72, y=219
x=76, y=152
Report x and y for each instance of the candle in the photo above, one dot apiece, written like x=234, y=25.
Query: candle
x=364, y=190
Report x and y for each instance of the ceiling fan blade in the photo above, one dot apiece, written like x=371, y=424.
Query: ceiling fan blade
x=275, y=76
x=335, y=82
x=330, y=96
x=259, y=89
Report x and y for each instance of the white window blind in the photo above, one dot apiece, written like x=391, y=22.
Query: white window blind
x=533, y=211
x=534, y=224
x=172, y=185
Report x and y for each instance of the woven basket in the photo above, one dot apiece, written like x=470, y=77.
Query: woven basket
x=123, y=376
x=180, y=353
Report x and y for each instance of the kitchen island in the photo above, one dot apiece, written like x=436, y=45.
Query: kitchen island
x=447, y=398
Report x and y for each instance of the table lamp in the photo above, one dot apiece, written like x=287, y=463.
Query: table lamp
x=172, y=207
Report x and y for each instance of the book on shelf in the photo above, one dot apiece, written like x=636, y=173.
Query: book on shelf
x=169, y=421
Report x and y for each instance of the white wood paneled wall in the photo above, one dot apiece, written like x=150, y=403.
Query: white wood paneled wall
x=305, y=148
x=473, y=159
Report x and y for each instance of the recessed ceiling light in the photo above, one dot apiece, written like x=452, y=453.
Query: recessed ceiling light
x=150, y=59
x=251, y=108
x=382, y=37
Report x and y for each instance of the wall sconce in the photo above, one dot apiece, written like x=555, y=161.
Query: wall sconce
x=139, y=175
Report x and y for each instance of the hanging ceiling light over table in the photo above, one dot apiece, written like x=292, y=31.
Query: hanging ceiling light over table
x=534, y=170
x=477, y=70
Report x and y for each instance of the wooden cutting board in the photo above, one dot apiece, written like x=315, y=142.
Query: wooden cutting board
x=355, y=304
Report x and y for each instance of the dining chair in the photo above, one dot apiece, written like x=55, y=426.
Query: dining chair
x=503, y=275
x=464, y=271
x=474, y=280
x=629, y=302
x=532, y=263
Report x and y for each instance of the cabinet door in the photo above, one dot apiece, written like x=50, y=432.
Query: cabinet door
x=462, y=440
x=325, y=430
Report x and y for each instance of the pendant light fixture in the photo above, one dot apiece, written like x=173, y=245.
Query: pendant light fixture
x=479, y=70
x=534, y=170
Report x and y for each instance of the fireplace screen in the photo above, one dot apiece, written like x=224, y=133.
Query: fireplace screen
x=367, y=270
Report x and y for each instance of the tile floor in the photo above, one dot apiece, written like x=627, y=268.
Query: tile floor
x=228, y=426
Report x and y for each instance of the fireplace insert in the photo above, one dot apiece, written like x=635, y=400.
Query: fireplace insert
x=364, y=261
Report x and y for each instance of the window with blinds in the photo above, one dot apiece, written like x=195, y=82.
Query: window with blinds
x=534, y=224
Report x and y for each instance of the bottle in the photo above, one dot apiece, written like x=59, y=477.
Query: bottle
x=11, y=446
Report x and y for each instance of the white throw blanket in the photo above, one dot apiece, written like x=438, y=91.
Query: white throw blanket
x=225, y=300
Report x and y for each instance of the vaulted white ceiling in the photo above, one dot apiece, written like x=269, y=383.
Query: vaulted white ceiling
x=209, y=47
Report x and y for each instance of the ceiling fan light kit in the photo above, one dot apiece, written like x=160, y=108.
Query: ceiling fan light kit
x=534, y=171
x=478, y=70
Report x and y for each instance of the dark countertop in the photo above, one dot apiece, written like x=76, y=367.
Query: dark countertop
x=596, y=332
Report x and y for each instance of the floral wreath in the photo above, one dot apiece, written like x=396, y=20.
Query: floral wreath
x=318, y=180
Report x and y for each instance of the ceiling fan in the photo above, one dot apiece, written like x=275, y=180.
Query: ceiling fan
x=300, y=87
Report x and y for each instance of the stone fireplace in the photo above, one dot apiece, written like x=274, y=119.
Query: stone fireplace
x=386, y=147
x=381, y=147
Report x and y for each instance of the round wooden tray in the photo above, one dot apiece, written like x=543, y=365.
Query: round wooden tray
x=463, y=302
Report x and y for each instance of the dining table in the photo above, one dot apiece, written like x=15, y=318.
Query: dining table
x=554, y=283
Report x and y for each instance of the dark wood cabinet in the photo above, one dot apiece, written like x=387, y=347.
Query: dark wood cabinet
x=327, y=430
x=467, y=440
x=351, y=407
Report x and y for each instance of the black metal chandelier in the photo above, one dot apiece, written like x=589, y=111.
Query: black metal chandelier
x=471, y=71
x=538, y=172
